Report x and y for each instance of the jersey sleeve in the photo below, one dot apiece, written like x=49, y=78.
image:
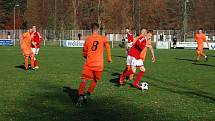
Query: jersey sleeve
x=195, y=37
x=85, y=49
x=204, y=37
x=107, y=46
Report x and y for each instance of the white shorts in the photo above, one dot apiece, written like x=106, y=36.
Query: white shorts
x=129, y=45
x=35, y=51
x=132, y=61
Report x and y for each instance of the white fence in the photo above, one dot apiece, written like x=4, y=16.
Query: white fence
x=54, y=38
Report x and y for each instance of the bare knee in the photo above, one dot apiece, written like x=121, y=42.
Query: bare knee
x=142, y=68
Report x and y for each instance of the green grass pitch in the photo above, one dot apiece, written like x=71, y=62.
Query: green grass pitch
x=178, y=89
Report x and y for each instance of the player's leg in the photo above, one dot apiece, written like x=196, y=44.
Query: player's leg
x=139, y=76
x=32, y=61
x=198, y=54
x=36, y=63
x=26, y=61
x=97, y=75
x=87, y=74
x=204, y=55
x=132, y=75
x=127, y=71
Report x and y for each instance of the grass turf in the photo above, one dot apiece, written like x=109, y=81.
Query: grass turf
x=178, y=89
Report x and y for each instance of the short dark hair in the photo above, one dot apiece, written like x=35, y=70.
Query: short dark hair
x=95, y=26
x=201, y=29
x=150, y=31
x=126, y=28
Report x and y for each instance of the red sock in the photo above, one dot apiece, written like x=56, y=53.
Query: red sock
x=92, y=86
x=139, y=76
x=36, y=63
x=128, y=72
x=82, y=87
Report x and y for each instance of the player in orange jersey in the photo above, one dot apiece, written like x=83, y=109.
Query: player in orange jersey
x=200, y=38
x=148, y=45
x=25, y=43
x=93, y=66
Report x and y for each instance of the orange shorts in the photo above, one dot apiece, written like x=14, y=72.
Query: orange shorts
x=200, y=49
x=90, y=74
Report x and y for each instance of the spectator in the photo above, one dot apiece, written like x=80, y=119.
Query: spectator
x=8, y=35
x=79, y=36
x=174, y=41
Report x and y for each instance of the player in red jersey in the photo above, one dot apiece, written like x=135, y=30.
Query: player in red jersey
x=93, y=66
x=129, y=45
x=134, y=60
x=36, y=41
x=130, y=39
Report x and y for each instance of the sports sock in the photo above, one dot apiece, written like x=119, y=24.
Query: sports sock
x=26, y=62
x=128, y=72
x=36, y=63
x=92, y=86
x=139, y=76
x=82, y=87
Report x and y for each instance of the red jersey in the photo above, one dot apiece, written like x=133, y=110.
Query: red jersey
x=130, y=37
x=37, y=38
x=137, y=47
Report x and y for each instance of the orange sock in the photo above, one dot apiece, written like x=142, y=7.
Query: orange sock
x=26, y=61
x=82, y=87
x=92, y=86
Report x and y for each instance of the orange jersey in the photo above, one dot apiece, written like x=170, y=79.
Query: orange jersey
x=26, y=43
x=144, y=51
x=93, y=51
x=200, y=38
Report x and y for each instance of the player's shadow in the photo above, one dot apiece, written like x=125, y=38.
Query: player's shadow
x=119, y=56
x=211, y=56
x=183, y=90
x=184, y=59
x=22, y=66
x=205, y=65
x=73, y=93
x=115, y=79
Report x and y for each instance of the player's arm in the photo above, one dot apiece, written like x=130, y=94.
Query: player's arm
x=21, y=40
x=135, y=39
x=85, y=49
x=40, y=37
x=107, y=46
x=34, y=43
x=206, y=40
x=152, y=52
x=195, y=38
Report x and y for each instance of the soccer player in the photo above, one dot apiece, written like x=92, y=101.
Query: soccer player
x=25, y=43
x=134, y=60
x=93, y=66
x=148, y=45
x=200, y=38
x=130, y=39
x=128, y=46
x=36, y=41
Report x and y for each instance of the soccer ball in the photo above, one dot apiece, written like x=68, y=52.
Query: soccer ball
x=144, y=86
